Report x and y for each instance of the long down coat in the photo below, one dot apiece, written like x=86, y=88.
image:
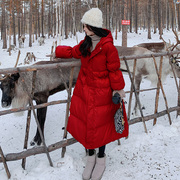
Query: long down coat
x=91, y=120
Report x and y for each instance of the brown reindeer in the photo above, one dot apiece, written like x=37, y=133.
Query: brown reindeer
x=47, y=83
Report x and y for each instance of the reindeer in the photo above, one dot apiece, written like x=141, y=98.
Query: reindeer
x=21, y=41
x=29, y=58
x=47, y=83
x=145, y=67
x=12, y=47
x=41, y=40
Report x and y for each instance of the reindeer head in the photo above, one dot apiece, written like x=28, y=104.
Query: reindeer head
x=8, y=86
x=176, y=66
x=174, y=60
x=8, y=89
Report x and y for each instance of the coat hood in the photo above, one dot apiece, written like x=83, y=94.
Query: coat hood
x=104, y=40
x=108, y=38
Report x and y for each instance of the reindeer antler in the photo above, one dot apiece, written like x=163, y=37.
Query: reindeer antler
x=177, y=39
x=167, y=47
x=3, y=77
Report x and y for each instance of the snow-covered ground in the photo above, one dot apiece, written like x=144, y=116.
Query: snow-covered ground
x=142, y=156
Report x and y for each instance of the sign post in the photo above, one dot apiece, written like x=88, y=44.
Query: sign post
x=124, y=32
x=125, y=22
x=124, y=26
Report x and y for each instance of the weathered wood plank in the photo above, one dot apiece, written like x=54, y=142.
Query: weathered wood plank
x=30, y=108
x=38, y=150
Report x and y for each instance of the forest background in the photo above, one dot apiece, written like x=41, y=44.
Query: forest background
x=149, y=156
x=40, y=18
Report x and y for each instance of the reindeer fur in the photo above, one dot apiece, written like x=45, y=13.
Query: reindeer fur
x=145, y=67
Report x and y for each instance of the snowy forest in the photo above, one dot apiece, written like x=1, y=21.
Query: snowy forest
x=30, y=29
x=62, y=17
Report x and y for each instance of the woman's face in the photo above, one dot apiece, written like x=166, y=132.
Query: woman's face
x=87, y=31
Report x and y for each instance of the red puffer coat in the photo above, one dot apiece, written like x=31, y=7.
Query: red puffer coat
x=91, y=120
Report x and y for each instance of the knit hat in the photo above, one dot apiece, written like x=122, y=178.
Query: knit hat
x=93, y=17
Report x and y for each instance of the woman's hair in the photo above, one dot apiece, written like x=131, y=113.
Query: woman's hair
x=85, y=46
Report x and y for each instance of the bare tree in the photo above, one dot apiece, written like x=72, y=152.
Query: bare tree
x=23, y=19
x=155, y=17
x=14, y=24
x=178, y=10
x=54, y=19
x=4, y=26
x=149, y=19
x=136, y=16
x=36, y=19
x=131, y=14
x=18, y=7
x=62, y=17
x=116, y=21
x=42, y=17
x=124, y=27
x=30, y=25
x=160, y=18
x=106, y=16
x=66, y=19
x=168, y=19
x=49, y=20
x=111, y=13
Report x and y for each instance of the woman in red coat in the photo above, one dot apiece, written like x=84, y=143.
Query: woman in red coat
x=92, y=111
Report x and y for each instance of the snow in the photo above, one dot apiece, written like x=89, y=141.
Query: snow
x=154, y=155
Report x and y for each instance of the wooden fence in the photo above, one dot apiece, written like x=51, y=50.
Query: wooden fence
x=66, y=142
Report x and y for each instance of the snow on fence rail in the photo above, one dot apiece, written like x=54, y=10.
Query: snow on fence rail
x=62, y=144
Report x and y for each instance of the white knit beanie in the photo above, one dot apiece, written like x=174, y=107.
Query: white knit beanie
x=93, y=17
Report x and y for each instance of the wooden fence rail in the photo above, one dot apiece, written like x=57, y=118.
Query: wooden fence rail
x=74, y=63
x=38, y=150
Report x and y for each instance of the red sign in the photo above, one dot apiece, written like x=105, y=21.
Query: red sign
x=125, y=22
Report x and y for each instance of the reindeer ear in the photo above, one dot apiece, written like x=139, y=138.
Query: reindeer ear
x=15, y=77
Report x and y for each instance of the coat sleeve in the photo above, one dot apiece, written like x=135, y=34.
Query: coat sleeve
x=68, y=51
x=113, y=65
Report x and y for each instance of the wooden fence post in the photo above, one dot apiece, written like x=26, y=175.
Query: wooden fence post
x=162, y=89
x=158, y=91
x=67, y=109
x=136, y=95
x=26, y=136
x=5, y=164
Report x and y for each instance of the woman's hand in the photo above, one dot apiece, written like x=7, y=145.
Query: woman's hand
x=121, y=93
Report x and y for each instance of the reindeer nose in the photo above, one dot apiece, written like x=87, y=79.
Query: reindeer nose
x=4, y=103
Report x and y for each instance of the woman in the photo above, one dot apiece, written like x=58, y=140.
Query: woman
x=91, y=120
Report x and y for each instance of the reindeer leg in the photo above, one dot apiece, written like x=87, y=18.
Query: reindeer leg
x=138, y=79
x=41, y=115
